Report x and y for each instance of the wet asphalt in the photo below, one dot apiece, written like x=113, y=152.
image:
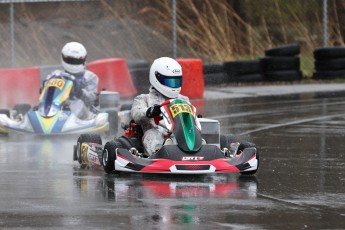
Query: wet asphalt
x=300, y=183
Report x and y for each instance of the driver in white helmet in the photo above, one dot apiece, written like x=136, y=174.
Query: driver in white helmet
x=166, y=82
x=84, y=92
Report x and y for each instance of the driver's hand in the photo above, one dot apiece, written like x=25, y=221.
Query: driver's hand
x=77, y=91
x=153, y=111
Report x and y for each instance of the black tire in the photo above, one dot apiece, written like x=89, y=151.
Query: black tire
x=128, y=143
x=113, y=118
x=236, y=68
x=249, y=145
x=109, y=156
x=284, y=51
x=22, y=108
x=139, y=70
x=279, y=63
x=85, y=138
x=213, y=68
x=6, y=112
x=216, y=79
x=283, y=75
x=329, y=75
x=329, y=53
x=226, y=140
x=331, y=64
x=140, y=79
x=251, y=78
x=75, y=154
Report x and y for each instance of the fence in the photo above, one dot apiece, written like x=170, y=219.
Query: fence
x=33, y=32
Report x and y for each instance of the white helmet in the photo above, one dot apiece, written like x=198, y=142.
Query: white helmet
x=73, y=57
x=166, y=76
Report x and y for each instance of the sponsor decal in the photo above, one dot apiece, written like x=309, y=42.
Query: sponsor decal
x=175, y=71
x=180, y=108
x=92, y=158
x=192, y=158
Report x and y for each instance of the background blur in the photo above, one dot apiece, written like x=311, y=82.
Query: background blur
x=32, y=33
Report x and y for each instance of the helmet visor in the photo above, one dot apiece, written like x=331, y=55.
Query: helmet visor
x=73, y=61
x=170, y=81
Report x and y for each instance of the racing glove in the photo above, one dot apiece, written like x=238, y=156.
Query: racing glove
x=77, y=91
x=153, y=111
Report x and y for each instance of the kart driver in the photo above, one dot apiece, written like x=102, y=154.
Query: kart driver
x=166, y=82
x=84, y=92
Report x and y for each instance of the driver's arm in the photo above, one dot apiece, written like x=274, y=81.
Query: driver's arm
x=90, y=90
x=139, y=108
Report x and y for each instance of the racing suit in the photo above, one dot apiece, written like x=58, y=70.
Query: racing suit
x=83, y=94
x=153, y=134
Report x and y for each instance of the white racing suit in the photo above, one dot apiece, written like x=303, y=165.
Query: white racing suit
x=83, y=105
x=153, y=134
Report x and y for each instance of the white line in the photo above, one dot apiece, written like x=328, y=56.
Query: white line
x=291, y=123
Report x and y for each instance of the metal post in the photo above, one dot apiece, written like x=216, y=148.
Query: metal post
x=12, y=33
x=174, y=35
x=325, y=24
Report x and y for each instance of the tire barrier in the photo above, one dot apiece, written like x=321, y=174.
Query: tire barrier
x=139, y=71
x=114, y=75
x=19, y=85
x=243, y=71
x=193, y=78
x=214, y=74
x=289, y=50
x=281, y=63
x=329, y=63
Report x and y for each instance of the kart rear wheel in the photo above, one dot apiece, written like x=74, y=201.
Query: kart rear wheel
x=241, y=147
x=85, y=138
x=109, y=156
x=6, y=112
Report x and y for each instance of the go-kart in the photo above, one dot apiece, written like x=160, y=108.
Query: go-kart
x=188, y=151
x=53, y=115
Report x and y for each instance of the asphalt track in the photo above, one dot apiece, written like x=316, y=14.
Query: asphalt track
x=299, y=130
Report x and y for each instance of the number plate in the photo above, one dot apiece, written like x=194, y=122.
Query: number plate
x=181, y=108
x=59, y=83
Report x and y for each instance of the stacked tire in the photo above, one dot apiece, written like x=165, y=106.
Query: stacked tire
x=214, y=74
x=282, y=63
x=243, y=71
x=329, y=63
x=139, y=71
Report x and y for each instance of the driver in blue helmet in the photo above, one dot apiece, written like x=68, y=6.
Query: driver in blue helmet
x=166, y=82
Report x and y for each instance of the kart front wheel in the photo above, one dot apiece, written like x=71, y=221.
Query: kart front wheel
x=226, y=140
x=22, y=108
x=109, y=156
x=85, y=138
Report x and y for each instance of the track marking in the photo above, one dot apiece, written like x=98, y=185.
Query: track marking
x=291, y=123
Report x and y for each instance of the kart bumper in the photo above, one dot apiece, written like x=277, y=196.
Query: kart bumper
x=63, y=124
x=187, y=163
